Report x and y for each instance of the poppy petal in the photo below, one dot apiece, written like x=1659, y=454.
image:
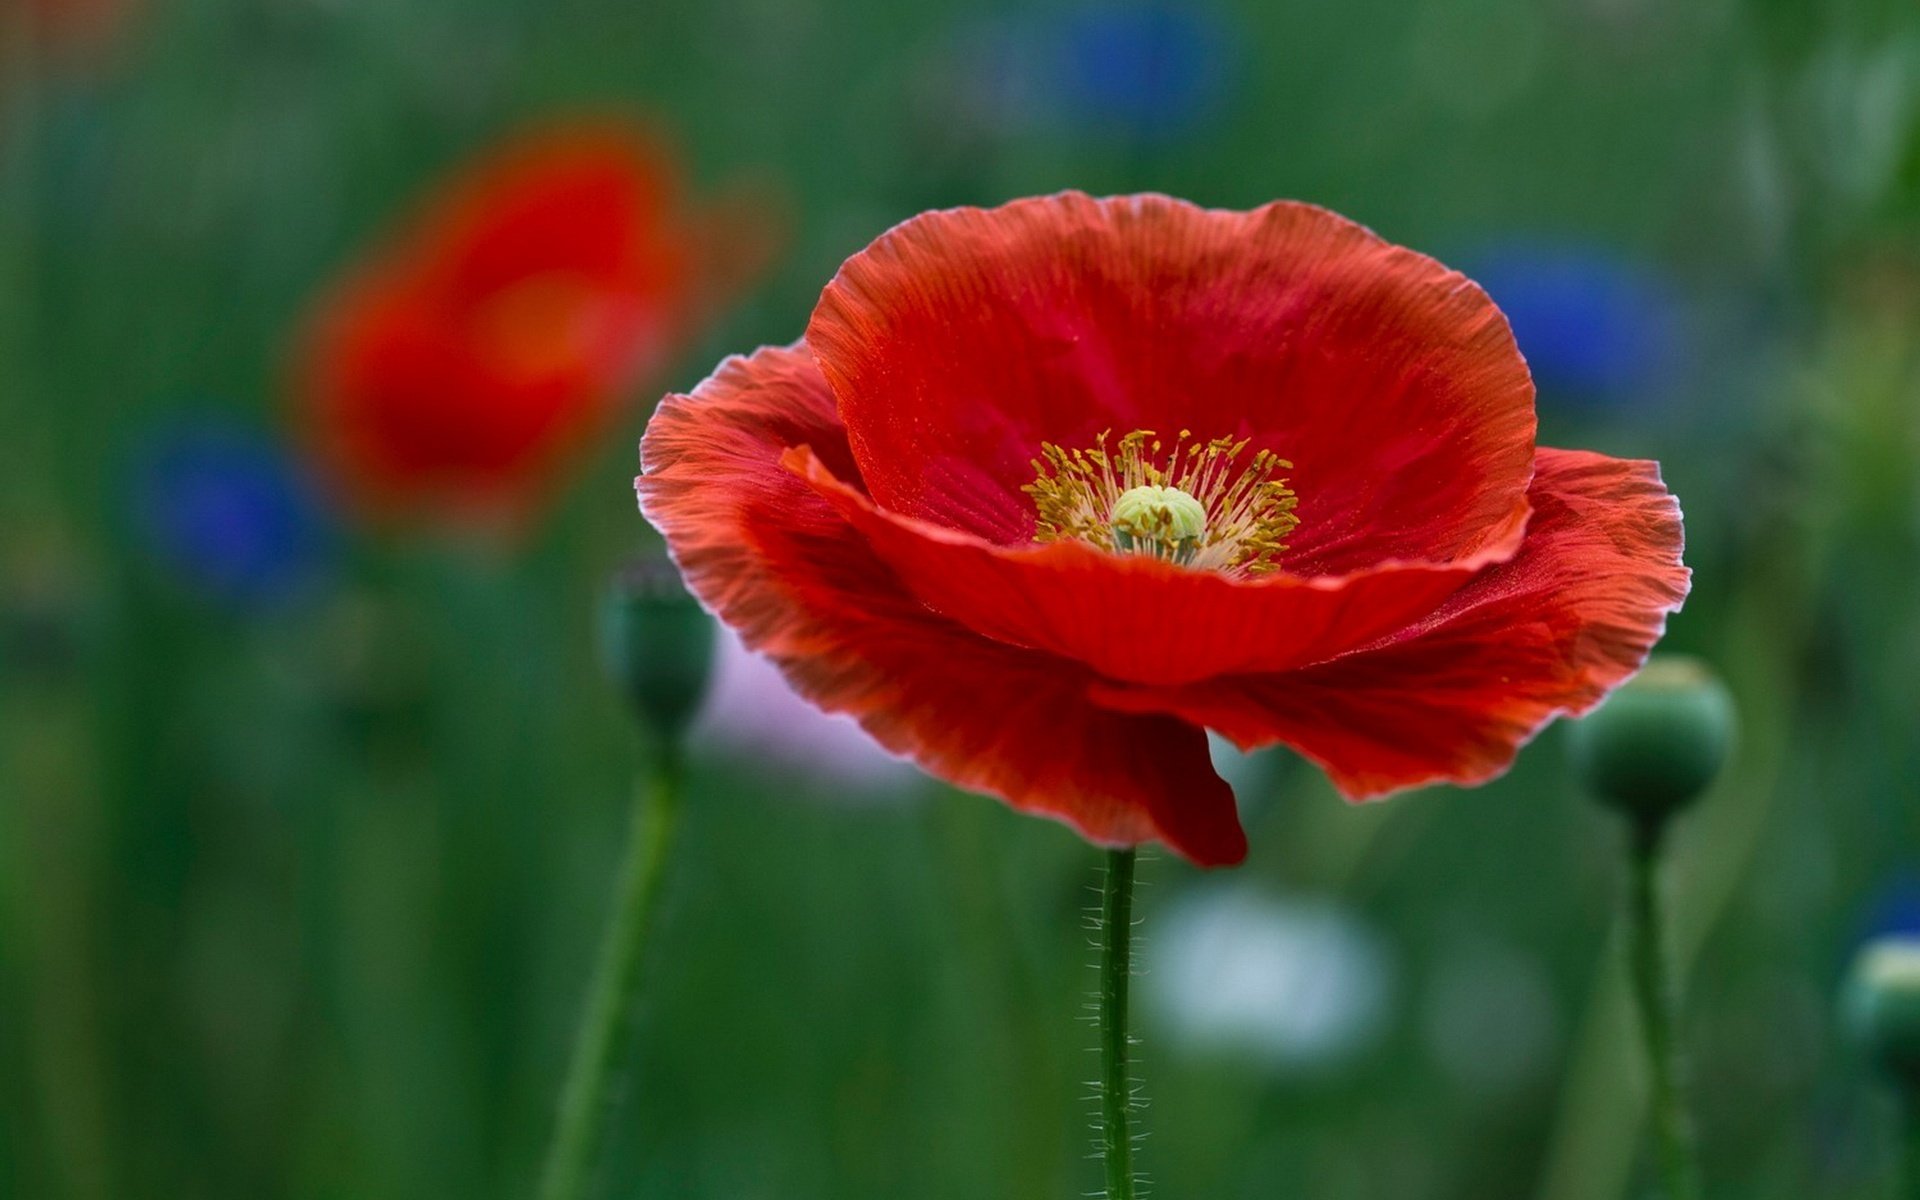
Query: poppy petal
x=592, y=200
x=459, y=367
x=779, y=563
x=1547, y=634
x=1141, y=619
x=960, y=341
x=398, y=406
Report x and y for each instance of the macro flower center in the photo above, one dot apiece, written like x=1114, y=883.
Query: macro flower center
x=1159, y=520
x=1208, y=505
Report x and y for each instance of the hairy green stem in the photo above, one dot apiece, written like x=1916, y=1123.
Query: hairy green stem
x=1654, y=997
x=1116, y=971
x=600, y=1046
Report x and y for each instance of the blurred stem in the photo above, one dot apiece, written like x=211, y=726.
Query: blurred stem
x=600, y=1046
x=1116, y=971
x=1590, y=1154
x=1655, y=999
x=1008, y=1022
x=1910, y=1131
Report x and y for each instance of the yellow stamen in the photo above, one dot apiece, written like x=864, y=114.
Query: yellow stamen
x=1197, y=503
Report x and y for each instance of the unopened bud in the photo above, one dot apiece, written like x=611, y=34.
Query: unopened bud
x=1882, y=1007
x=1656, y=744
x=656, y=643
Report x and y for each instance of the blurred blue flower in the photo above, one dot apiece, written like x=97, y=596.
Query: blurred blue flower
x=1154, y=70
x=227, y=512
x=1150, y=71
x=1895, y=911
x=1596, y=328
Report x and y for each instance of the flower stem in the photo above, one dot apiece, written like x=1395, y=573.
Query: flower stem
x=1116, y=971
x=1654, y=997
x=601, y=1043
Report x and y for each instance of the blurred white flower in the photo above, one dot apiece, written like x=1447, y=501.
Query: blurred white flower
x=1296, y=983
x=750, y=711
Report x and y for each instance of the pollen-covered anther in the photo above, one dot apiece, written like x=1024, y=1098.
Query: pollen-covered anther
x=1208, y=505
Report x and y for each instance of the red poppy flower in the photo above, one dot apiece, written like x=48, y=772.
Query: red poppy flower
x=459, y=369
x=76, y=26
x=1051, y=489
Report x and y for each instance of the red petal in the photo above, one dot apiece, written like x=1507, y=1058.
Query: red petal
x=406, y=410
x=459, y=367
x=591, y=200
x=961, y=340
x=1141, y=619
x=781, y=565
x=1453, y=700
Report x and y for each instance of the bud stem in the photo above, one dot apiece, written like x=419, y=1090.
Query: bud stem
x=1116, y=971
x=1655, y=998
x=601, y=1043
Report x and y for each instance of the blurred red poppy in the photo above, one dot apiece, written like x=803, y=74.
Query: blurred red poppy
x=1049, y=490
x=77, y=27
x=458, y=370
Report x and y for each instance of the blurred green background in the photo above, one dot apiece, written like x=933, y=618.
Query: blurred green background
x=297, y=899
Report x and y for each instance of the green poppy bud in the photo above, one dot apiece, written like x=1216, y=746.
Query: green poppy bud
x=656, y=643
x=1882, y=1007
x=1656, y=744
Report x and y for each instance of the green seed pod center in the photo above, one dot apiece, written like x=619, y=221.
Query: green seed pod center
x=1159, y=520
